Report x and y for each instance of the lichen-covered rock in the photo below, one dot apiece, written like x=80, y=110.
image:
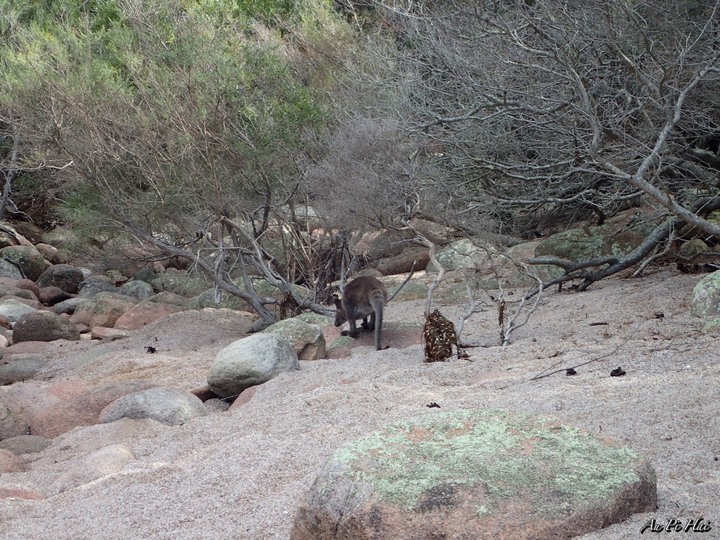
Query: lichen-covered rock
x=181, y=282
x=138, y=289
x=692, y=248
x=249, y=361
x=145, y=274
x=472, y=475
x=577, y=245
x=616, y=237
x=27, y=259
x=65, y=276
x=706, y=296
x=167, y=297
x=95, y=284
x=306, y=339
x=44, y=326
x=9, y=270
x=207, y=299
x=460, y=254
x=13, y=309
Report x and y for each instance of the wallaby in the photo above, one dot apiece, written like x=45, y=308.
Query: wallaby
x=363, y=297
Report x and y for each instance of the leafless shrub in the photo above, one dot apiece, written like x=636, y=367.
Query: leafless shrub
x=367, y=176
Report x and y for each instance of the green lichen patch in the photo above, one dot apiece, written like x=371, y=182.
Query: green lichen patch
x=424, y=462
x=706, y=296
x=315, y=318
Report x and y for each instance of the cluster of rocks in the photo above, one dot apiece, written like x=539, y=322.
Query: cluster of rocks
x=43, y=299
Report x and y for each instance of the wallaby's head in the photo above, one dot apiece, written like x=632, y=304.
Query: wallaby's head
x=340, y=315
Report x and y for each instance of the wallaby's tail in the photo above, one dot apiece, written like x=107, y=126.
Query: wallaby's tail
x=378, y=325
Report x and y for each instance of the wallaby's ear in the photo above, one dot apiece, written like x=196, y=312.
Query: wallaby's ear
x=337, y=301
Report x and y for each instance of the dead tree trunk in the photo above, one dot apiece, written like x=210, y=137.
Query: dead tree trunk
x=579, y=270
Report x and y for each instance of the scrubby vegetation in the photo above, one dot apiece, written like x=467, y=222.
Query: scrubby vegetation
x=217, y=130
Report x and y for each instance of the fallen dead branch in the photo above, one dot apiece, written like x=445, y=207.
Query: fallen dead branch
x=542, y=374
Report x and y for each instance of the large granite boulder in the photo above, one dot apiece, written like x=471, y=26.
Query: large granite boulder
x=250, y=361
x=20, y=369
x=207, y=299
x=465, y=253
x=93, y=466
x=13, y=309
x=479, y=474
x=166, y=405
x=49, y=296
x=13, y=290
x=706, y=296
x=138, y=289
x=27, y=259
x=44, y=326
x=9, y=462
x=144, y=313
x=28, y=285
x=51, y=409
x=103, y=309
x=25, y=444
x=9, y=270
x=618, y=236
x=307, y=339
x=181, y=282
x=12, y=421
x=95, y=284
x=65, y=276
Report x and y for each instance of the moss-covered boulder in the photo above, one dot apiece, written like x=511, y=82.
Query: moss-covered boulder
x=617, y=237
x=464, y=253
x=64, y=276
x=208, y=299
x=44, y=326
x=315, y=318
x=307, y=339
x=475, y=475
x=706, y=296
x=181, y=282
x=412, y=290
x=27, y=259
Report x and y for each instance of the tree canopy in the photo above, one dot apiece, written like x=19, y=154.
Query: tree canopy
x=183, y=123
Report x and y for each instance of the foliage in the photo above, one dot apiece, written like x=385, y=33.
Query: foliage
x=195, y=123
x=164, y=109
x=163, y=119
x=548, y=107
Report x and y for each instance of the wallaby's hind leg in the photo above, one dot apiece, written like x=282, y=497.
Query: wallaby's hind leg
x=353, y=332
x=369, y=322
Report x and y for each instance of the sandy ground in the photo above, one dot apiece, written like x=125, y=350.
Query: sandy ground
x=241, y=474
